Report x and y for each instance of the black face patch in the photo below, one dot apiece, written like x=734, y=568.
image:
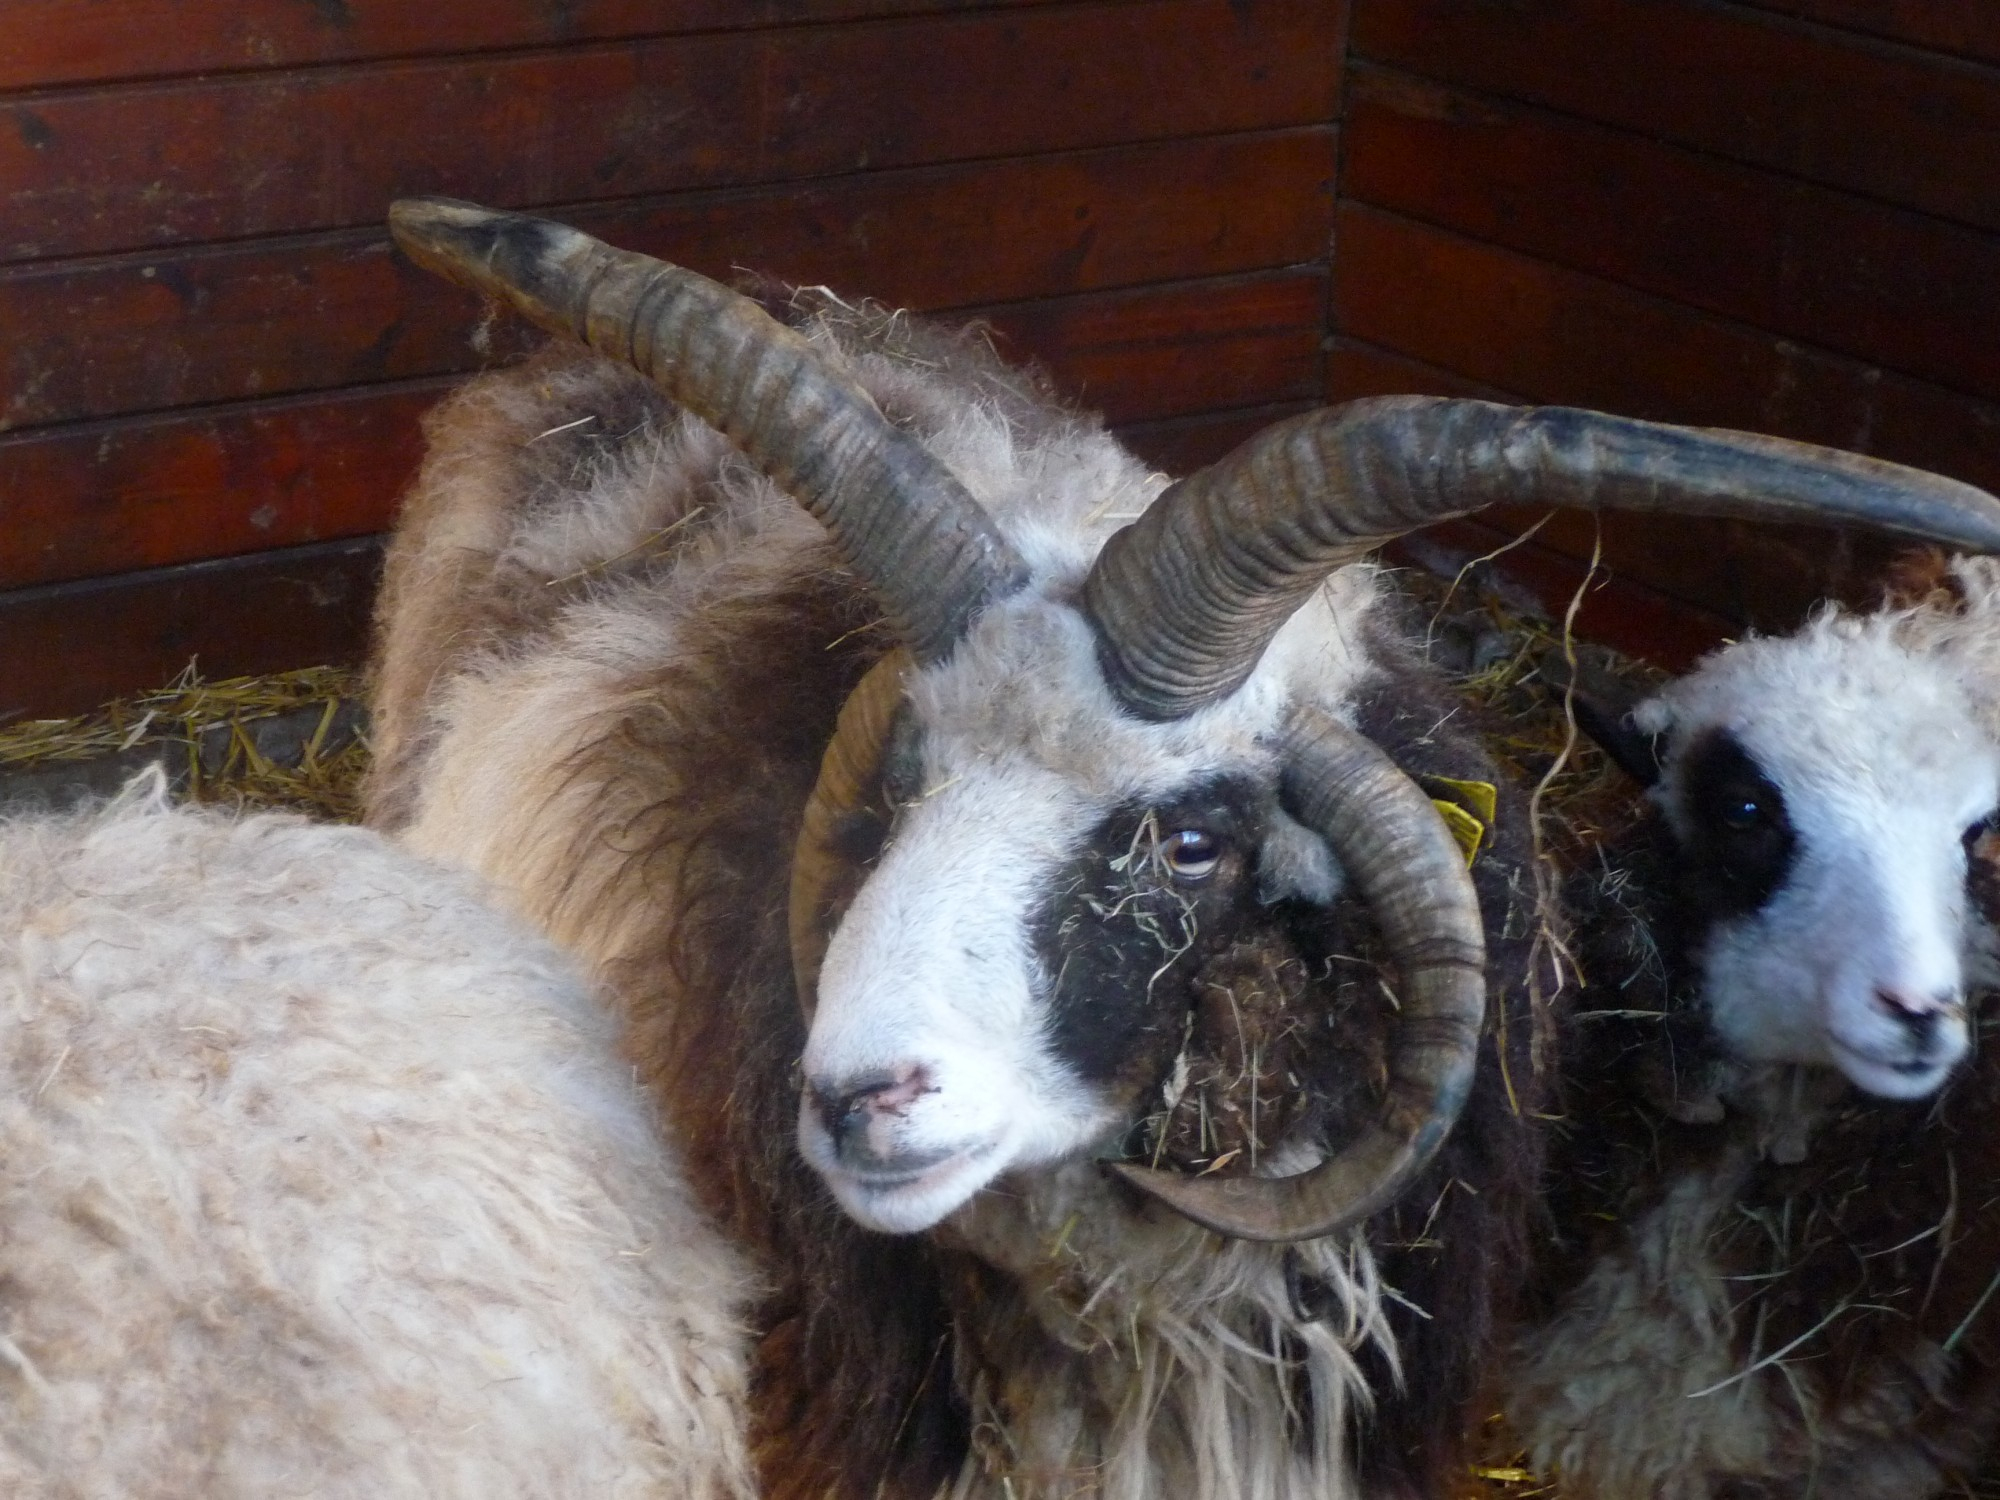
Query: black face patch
x=1982, y=867
x=1740, y=843
x=1633, y=751
x=864, y=829
x=1152, y=894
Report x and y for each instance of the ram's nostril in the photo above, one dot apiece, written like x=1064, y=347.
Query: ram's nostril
x=1918, y=1014
x=846, y=1106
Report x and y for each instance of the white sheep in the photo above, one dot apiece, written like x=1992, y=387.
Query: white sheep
x=320, y=1177
x=1067, y=887
x=1775, y=1252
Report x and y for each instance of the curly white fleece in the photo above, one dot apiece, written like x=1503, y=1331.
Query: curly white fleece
x=318, y=1177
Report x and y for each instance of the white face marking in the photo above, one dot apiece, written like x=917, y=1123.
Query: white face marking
x=1857, y=960
x=928, y=1067
x=931, y=979
x=1868, y=930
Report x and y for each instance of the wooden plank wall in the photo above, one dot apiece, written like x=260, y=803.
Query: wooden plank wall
x=213, y=367
x=1778, y=214
x=1781, y=215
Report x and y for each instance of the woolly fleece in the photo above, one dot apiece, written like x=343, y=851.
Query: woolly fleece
x=318, y=1177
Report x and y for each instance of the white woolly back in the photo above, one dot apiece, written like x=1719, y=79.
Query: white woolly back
x=318, y=1176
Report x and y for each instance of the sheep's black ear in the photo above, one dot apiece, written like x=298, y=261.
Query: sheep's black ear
x=1635, y=752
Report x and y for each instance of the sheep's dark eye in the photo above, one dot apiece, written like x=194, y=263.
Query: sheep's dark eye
x=1192, y=853
x=1741, y=812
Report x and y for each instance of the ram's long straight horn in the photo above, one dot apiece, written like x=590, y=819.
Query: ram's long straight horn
x=899, y=518
x=1412, y=874
x=1186, y=599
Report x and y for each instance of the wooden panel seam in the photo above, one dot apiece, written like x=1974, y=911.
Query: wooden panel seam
x=74, y=645
x=1956, y=28
x=135, y=333
x=1850, y=111
x=103, y=497
x=160, y=41
x=1805, y=261
x=1589, y=308
x=203, y=161
x=1556, y=335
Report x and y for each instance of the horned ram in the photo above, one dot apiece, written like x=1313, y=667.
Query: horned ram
x=319, y=1176
x=970, y=826
x=1775, y=1250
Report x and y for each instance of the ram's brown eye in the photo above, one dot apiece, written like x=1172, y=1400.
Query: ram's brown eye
x=1192, y=853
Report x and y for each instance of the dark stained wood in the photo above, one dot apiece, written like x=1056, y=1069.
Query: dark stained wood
x=1183, y=444
x=1968, y=28
x=1756, y=577
x=215, y=368
x=46, y=43
x=1827, y=106
x=143, y=493
x=101, y=338
x=74, y=645
x=1691, y=560
x=1631, y=603
x=1553, y=336
x=1180, y=350
x=1898, y=289
x=107, y=497
x=107, y=170
x=1520, y=324
x=1617, y=610
x=1355, y=369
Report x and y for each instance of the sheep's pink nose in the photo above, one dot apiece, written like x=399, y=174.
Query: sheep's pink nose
x=1919, y=1014
x=852, y=1109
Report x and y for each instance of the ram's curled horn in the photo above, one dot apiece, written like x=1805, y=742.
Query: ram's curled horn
x=899, y=518
x=823, y=878
x=1186, y=599
x=1411, y=872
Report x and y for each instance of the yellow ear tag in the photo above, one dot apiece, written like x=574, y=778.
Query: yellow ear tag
x=1468, y=830
x=1468, y=812
x=1480, y=798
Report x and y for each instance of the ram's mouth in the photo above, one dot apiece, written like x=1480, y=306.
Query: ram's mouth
x=906, y=1198
x=1895, y=1075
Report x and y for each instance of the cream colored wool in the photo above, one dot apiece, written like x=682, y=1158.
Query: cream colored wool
x=319, y=1177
